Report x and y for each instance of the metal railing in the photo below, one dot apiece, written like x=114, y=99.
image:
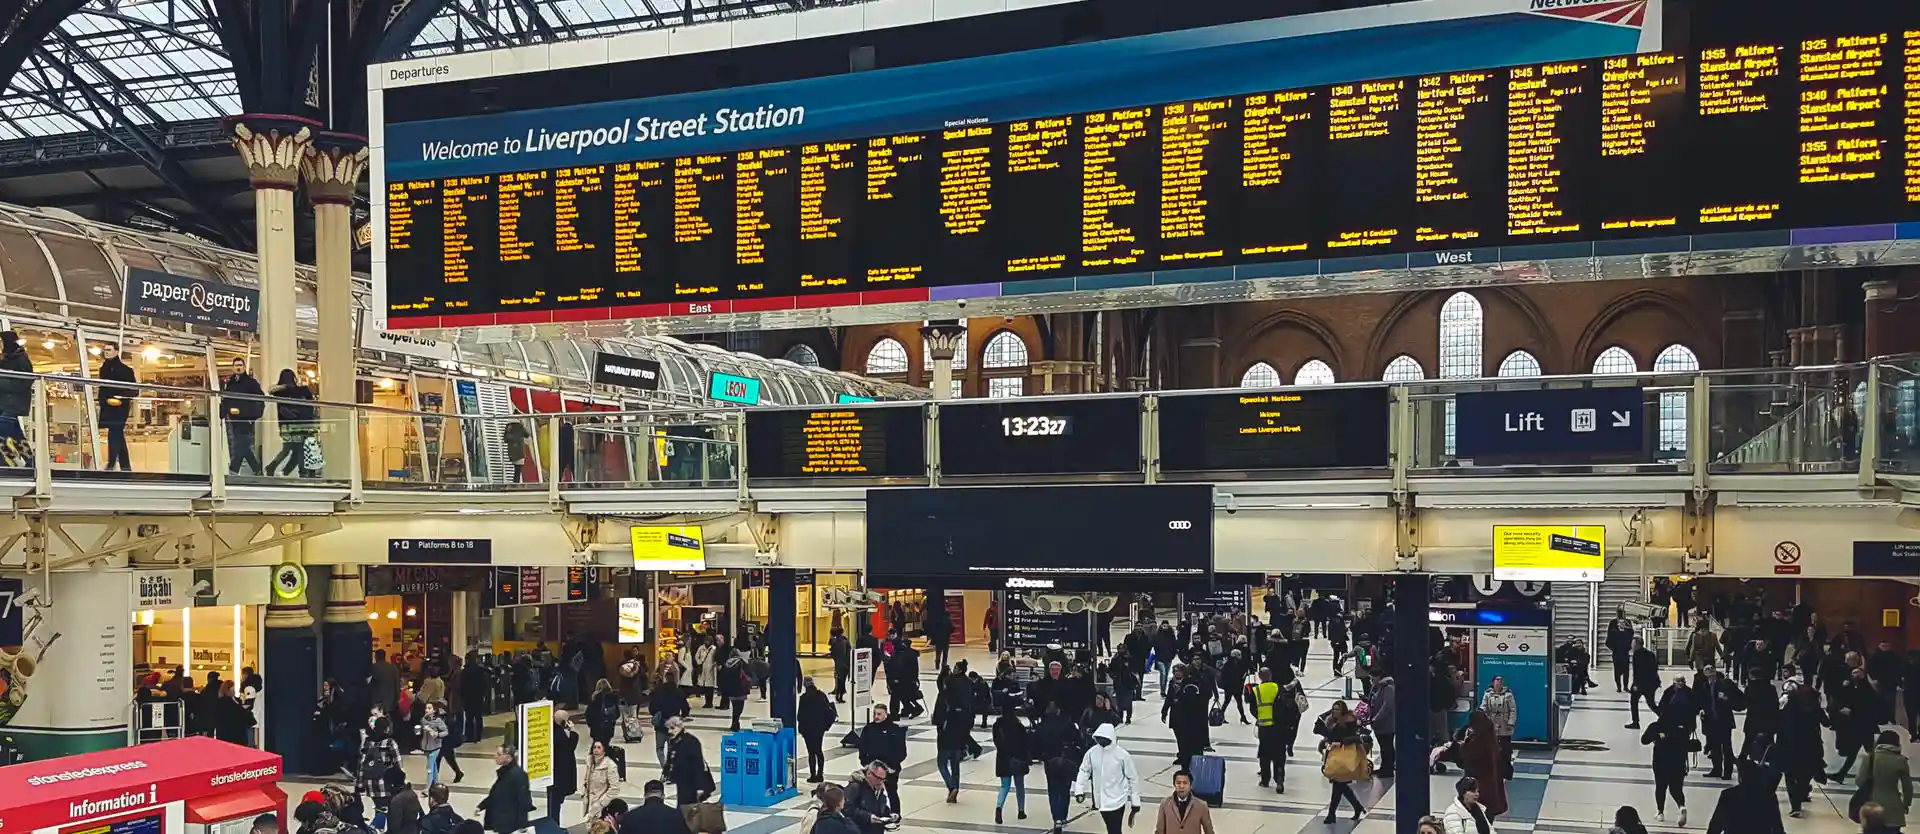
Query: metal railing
x=55, y=428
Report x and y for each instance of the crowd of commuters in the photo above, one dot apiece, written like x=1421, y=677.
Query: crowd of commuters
x=1782, y=677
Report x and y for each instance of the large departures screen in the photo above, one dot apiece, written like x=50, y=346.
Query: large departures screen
x=1817, y=132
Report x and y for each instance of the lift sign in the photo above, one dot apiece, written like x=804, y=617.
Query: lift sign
x=734, y=389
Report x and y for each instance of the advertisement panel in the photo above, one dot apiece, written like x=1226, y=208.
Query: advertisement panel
x=633, y=620
x=533, y=727
x=1567, y=425
x=1521, y=658
x=668, y=548
x=1042, y=538
x=1549, y=553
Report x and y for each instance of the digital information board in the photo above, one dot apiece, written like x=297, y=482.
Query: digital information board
x=1819, y=132
x=870, y=442
x=1093, y=436
x=1530, y=553
x=1278, y=429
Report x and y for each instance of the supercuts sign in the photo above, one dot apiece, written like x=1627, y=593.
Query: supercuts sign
x=177, y=297
x=626, y=371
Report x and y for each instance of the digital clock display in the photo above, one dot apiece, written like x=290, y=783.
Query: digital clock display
x=1037, y=426
x=1097, y=436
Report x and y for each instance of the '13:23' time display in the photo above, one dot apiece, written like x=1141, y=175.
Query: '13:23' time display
x=1038, y=426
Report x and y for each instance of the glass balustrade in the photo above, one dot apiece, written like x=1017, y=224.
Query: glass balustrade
x=1777, y=420
x=1803, y=420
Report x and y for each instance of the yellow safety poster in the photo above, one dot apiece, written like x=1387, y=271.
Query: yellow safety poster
x=536, y=742
x=1531, y=553
x=668, y=548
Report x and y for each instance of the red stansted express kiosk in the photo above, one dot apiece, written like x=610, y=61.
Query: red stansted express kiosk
x=188, y=786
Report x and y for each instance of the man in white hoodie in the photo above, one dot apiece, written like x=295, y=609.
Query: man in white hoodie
x=1108, y=778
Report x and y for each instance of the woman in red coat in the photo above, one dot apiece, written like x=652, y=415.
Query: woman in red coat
x=1480, y=755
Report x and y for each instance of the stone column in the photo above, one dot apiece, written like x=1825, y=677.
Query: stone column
x=943, y=337
x=274, y=148
x=288, y=652
x=348, y=656
x=333, y=171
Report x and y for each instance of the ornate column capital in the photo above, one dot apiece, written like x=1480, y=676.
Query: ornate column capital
x=943, y=337
x=334, y=168
x=273, y=147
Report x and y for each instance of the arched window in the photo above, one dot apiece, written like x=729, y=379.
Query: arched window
x=804, y=356
x=1260, y=375
x=1403, y=368
x=959, y=355
x=1315, y=372
x=1461, y=333
x=1519, y=363
x=1675, y=359
x=1615, y=360
x=887, y=356
x=1004, y=364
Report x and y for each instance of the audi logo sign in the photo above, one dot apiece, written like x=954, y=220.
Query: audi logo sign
x=1179, y=525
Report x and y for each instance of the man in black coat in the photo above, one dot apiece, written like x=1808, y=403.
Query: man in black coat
x=1646, y=681
x=566, y=776
x=115, y=403
x=841, y=649
x=1620, y=645
x=816, y=714
x=241, y=416
x=1719, y=699
x=874, y=801
x=1763, y=716
x=653, y=816
x=509, y=803
x=885, y=742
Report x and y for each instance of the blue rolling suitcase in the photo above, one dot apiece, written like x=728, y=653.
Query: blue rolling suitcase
x=1209, y=779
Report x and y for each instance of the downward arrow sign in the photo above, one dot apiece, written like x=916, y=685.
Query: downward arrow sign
x=1622, y=419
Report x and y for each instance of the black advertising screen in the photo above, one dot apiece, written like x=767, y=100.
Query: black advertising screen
x=841, y=442
x=1726, y=137
x=1041, y=437
x=1277, y=429
x=1066, y=538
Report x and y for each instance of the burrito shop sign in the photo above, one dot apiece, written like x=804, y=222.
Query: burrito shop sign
x=167, y=784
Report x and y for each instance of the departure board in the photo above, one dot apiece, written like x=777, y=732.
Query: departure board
x=827, y=443
x=1819, y=131
x=1281, y=429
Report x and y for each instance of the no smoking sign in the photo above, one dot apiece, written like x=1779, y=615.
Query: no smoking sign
x=1786, y=559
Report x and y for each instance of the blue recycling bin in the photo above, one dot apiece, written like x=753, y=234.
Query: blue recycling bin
x=756, y=768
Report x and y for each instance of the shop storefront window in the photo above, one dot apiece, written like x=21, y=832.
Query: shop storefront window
x=219, y=638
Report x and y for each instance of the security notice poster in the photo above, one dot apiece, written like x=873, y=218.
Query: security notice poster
x=535, y=729
x=1537, y=553
x=64, y=680
x=668, y=548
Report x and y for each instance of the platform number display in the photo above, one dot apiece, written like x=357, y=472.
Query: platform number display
x=10, y=619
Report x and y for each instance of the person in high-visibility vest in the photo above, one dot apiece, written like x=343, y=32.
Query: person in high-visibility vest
x=1273, y=743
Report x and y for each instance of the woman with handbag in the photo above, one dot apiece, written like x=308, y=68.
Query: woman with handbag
x=1343, y=756
x=1672, y=742
x=1887, y=780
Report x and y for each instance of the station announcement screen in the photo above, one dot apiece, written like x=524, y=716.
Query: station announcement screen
x=1731, y=137
x=841, y=442
x=1278, y=429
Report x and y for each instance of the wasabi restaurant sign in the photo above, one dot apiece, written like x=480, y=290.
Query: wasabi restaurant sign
x=194, y=301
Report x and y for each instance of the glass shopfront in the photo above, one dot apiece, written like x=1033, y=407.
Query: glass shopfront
x=813, y=620
x=219, y=638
